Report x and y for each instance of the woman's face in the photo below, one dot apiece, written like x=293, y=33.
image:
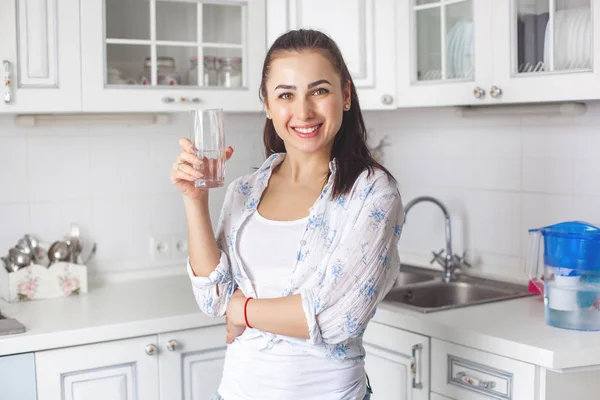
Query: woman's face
x=306, y=101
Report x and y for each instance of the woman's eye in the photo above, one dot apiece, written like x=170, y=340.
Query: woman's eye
x=285, y=96
x=320, y=91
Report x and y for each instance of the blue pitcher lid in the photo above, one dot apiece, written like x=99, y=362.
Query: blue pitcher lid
x=571, y=229
x=571, y=244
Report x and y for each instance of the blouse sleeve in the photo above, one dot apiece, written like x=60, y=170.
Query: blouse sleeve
x=213, y=292
x=361, y=270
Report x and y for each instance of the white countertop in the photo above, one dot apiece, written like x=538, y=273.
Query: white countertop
x=113, y=311
x=513, y=328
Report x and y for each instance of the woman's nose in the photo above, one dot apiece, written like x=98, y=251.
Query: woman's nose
x=304, y=109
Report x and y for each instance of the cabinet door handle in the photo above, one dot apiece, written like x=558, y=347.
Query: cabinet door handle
x=415, y=366
x=7, y=81
x=495, y=92
x=181, y=100
x=150, y=349
x=387, y=99
x=478, y=92
x=172, y=345
x=469, y=380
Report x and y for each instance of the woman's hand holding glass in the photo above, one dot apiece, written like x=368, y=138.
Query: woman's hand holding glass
x=186, y=170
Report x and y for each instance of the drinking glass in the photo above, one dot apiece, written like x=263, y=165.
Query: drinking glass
x=208, y=138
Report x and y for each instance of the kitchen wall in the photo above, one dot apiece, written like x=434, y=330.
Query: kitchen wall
x=498, y=176
x=113, y=180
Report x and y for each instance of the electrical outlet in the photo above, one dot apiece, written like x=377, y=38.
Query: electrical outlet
x=160, y=247
x=179, y=246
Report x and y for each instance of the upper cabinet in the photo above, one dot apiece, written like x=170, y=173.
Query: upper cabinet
x=40, y=56
x=364, y=31
x=545, y=50
x=439, y=61
x=469, y=52
x=165, y=55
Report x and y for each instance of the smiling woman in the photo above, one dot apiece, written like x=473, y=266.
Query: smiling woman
x=306, y=246
x=312, y=59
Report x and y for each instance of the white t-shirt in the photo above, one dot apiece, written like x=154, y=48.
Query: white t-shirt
x=253, y=371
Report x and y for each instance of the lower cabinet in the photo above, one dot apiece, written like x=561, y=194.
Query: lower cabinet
x=435, y=396
x=177, y=365
x=17, y=377
x=397, y=363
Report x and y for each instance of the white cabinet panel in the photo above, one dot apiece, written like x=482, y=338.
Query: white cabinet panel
x=40, y=56
x=174, y=56
x=191, y=362
x=364, y=32
x=397, y=363
x=443, y=53
x=465, y=373
x=17, y=377
x=118, y=370
x=543, y=53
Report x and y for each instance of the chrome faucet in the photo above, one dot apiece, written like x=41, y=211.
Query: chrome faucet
x=451, y=261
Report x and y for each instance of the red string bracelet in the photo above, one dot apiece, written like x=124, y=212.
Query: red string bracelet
x=245, y=313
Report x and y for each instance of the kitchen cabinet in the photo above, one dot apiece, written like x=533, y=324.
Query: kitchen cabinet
x=470, y=374
x=177, y=365
x=467, y=52
x=363, y=29
x=40, y=56
x=171, y=55
x=397, y=363
x=435, y=396
x=17, y=377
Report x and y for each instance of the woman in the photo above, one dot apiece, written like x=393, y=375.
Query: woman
x=306, y=246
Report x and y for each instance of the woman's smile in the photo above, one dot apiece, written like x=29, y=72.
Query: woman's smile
x=307, y=131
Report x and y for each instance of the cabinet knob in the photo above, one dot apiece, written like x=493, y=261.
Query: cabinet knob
x=150, y=349
x=7, y=88
x=172, y=345
x=495, y=92
x=478, y=92
x=387, y=99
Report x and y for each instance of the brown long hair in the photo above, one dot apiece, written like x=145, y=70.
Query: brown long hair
x=350, y=144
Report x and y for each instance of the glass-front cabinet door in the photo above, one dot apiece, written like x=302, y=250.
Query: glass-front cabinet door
x=168, y=55
x=545, y=50
x=443, y=52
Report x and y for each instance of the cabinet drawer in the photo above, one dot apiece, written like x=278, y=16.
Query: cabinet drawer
x=468, y=374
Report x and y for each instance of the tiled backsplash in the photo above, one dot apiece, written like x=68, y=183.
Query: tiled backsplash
x=112, y=180
x=498, y=176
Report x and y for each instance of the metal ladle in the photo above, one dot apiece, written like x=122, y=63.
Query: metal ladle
x=59, y=251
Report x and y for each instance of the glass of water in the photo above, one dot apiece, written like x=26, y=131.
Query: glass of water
x=208, y=138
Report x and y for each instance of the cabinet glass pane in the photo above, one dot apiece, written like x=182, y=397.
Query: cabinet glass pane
x=229, y=65
x=421, y=2
x=460, y=59
x=176, y=21
x=553, y=40
x=125, y=64
x=221, y=23
x=429, y=54
x=127, y=19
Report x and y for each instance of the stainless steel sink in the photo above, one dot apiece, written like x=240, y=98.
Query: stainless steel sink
x=423, y=290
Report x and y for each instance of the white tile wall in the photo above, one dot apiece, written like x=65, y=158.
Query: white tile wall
x=498, y=176
x=112, y=180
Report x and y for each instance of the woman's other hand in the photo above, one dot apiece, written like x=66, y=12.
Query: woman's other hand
x=185, y=169
x=236, y=324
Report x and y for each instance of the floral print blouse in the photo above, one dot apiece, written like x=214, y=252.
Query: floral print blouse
x=347, y=259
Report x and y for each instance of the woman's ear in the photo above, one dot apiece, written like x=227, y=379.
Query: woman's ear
x=347, y=95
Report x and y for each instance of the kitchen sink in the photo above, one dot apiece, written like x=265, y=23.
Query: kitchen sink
x=423, y=290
